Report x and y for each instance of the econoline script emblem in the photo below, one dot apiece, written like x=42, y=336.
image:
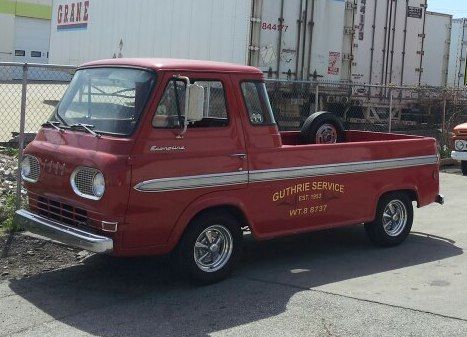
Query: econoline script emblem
x=167, y=148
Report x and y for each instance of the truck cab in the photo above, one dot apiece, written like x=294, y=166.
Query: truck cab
x=460, y=146
x=151, y=156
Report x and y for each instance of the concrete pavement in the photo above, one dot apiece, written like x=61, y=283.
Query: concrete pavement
x=332, y=283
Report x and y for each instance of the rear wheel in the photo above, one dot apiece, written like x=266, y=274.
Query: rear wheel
x=393, y=222
x=210, y=247
x=464, y=167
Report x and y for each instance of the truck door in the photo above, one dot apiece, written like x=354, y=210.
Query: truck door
x=171, y=170
x=283, y=196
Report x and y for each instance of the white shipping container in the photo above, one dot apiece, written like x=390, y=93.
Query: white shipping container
x=364, y=41
x=436, y=49
x=203, y=29
x=285, y=33
x=276, y=36
x=457, y=74
x=388, y=42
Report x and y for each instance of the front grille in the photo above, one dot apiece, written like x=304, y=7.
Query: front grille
x=59, y=211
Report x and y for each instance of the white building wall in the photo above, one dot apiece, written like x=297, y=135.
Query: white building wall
x=7, y=24
x=201, y=29
x=31, y=36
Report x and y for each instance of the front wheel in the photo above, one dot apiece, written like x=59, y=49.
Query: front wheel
x=393, y=222
x=464, y=167
x=210, y=247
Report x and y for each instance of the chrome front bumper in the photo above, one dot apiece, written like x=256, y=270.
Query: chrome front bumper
x=459, y=155
x=63, y=233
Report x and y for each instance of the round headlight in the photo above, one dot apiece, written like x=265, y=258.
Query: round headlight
x=25, y=167
x=98, y=185
x=459, y=145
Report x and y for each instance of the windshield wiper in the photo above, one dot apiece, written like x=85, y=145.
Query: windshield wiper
x=86, y=127
x=55, y=125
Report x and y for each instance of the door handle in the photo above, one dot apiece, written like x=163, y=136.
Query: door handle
x=238, y=155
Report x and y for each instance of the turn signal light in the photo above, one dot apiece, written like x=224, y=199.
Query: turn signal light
x=109, y=226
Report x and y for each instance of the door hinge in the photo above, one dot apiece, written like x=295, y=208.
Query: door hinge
x=350, y=5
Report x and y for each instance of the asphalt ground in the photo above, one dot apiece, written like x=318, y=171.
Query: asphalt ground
x=331, y=283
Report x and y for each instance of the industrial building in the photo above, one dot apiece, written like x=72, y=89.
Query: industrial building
x=25, y=30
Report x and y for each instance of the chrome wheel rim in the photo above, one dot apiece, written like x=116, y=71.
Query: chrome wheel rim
x=394, y=218
x=326, y=134
x=213, y=248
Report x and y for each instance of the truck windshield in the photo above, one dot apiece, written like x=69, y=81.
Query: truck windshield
x=106, y=100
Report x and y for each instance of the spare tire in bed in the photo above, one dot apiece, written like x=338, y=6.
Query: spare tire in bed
x=322, y=128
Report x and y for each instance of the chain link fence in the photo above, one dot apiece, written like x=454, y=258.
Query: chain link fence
x=28, y=96
x=428, y=111
x=30, y=92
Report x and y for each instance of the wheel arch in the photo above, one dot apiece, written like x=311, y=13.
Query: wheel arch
x=233, y=207
x=411, y=192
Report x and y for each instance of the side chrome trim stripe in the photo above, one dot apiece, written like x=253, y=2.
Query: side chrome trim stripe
x=192, y=182
x=341, y=168
x=243, y=177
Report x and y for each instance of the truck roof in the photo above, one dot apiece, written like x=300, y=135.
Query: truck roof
x=175, y=64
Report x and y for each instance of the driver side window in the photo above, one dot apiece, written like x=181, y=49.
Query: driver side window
x=170, y=113
x=171, y=109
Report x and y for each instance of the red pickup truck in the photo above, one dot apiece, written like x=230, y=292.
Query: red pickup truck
x=151, y=156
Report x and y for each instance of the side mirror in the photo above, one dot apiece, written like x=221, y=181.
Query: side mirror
x=194, y=103
x=194, y=109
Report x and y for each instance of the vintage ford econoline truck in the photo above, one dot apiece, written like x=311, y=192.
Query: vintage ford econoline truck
x=151, y=156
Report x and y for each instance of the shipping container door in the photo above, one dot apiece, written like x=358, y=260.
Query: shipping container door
x=410, y=42
x=436, y=50
x=364, y=52
x=388, y=41
x=402, y=41
x=277, y=49
x=458, y=53
x=325, y=45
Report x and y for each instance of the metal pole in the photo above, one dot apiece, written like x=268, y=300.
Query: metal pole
x=390, y=110
x=22, y=122
x=443, y=127
x=316, y=97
